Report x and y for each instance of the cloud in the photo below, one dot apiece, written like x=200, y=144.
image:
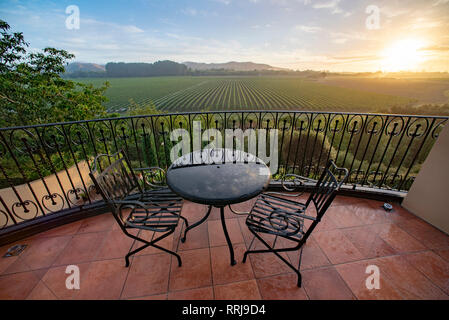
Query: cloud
x=390, y=12
x=194, y=12
x=309, y=29
x=345, y=36
x=438, y=2
x=340, y=40
x=189, y=11
x=132, y=29
x=110, y=25
x=225, y=2
x=331, y=5
x=422, y=23
x=435, y=48
x=351, y=35
x=258, y=26
x=355, y=58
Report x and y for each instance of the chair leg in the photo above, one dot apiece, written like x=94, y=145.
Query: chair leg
x=299, y=279
x=274, y=242
x=170, y=252
x=134, y=252
x=150, y=243
x=132, y=245
x=300, y=258
x=249, y=248
x=276, y=252
x=186, y=223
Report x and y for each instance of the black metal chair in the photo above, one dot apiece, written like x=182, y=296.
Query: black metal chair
x=152, y=207
x=275, y=215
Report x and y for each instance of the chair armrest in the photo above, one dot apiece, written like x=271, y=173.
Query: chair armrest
x=297, y=182
x=304, y=216
x=95, y=163
x=153, y=180
x=133, y=204
x=150, y=168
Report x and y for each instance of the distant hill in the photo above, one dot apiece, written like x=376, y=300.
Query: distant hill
x=171, y=68
x=84, y=67
x=233, y=65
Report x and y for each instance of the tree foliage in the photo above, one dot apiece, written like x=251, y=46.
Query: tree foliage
x=147, y=108
x=32, y=90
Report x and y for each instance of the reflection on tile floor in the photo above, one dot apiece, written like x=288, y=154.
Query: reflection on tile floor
x=412, y=257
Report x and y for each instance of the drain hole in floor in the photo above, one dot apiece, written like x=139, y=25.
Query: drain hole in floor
x=15, y=250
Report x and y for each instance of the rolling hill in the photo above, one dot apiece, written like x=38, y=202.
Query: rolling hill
x=232, y=65
x=84, y=67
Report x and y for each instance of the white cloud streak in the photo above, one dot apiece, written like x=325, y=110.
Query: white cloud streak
x=309, y=29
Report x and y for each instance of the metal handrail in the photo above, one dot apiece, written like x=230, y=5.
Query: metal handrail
x=218, y=112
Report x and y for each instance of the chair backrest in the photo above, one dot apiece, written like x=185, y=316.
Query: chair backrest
x=116, y=181
x=326, y=187
x=324, y=193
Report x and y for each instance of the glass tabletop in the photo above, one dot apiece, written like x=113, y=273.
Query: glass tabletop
x=218, y=176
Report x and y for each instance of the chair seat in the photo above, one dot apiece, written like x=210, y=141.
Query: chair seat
x=156, y=218
x=160, y=195
x=278, y=216
x=163, y=210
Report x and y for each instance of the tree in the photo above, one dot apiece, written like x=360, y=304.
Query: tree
x=159, y=68
x=135, y=109
x=32, y=90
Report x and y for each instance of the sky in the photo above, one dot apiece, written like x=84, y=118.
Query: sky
x=334, y=35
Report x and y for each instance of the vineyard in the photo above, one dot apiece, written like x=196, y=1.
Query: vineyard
x=172, y=94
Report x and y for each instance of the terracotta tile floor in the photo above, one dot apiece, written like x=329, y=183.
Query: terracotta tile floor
x=412, y=257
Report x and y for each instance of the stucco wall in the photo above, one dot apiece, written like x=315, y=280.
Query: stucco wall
x=428, y=197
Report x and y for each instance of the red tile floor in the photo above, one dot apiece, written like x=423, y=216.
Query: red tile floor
x=412, y=256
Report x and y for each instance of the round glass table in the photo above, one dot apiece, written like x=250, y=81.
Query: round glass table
x=218, y=178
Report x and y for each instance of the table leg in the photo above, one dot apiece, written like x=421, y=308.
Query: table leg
x=228, y=240
x=196, y=224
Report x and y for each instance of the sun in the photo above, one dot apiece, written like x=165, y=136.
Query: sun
x=403, y=55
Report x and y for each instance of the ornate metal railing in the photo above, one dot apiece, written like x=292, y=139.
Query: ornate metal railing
x=44, y=168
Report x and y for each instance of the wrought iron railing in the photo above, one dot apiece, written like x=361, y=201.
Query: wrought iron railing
x=44, y=168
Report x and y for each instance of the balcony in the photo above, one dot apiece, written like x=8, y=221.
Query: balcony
x=355, y=233
x=48, y=203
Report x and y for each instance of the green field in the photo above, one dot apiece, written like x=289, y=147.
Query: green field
x=177, y=94
x=140, y=90
x=425, y=91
